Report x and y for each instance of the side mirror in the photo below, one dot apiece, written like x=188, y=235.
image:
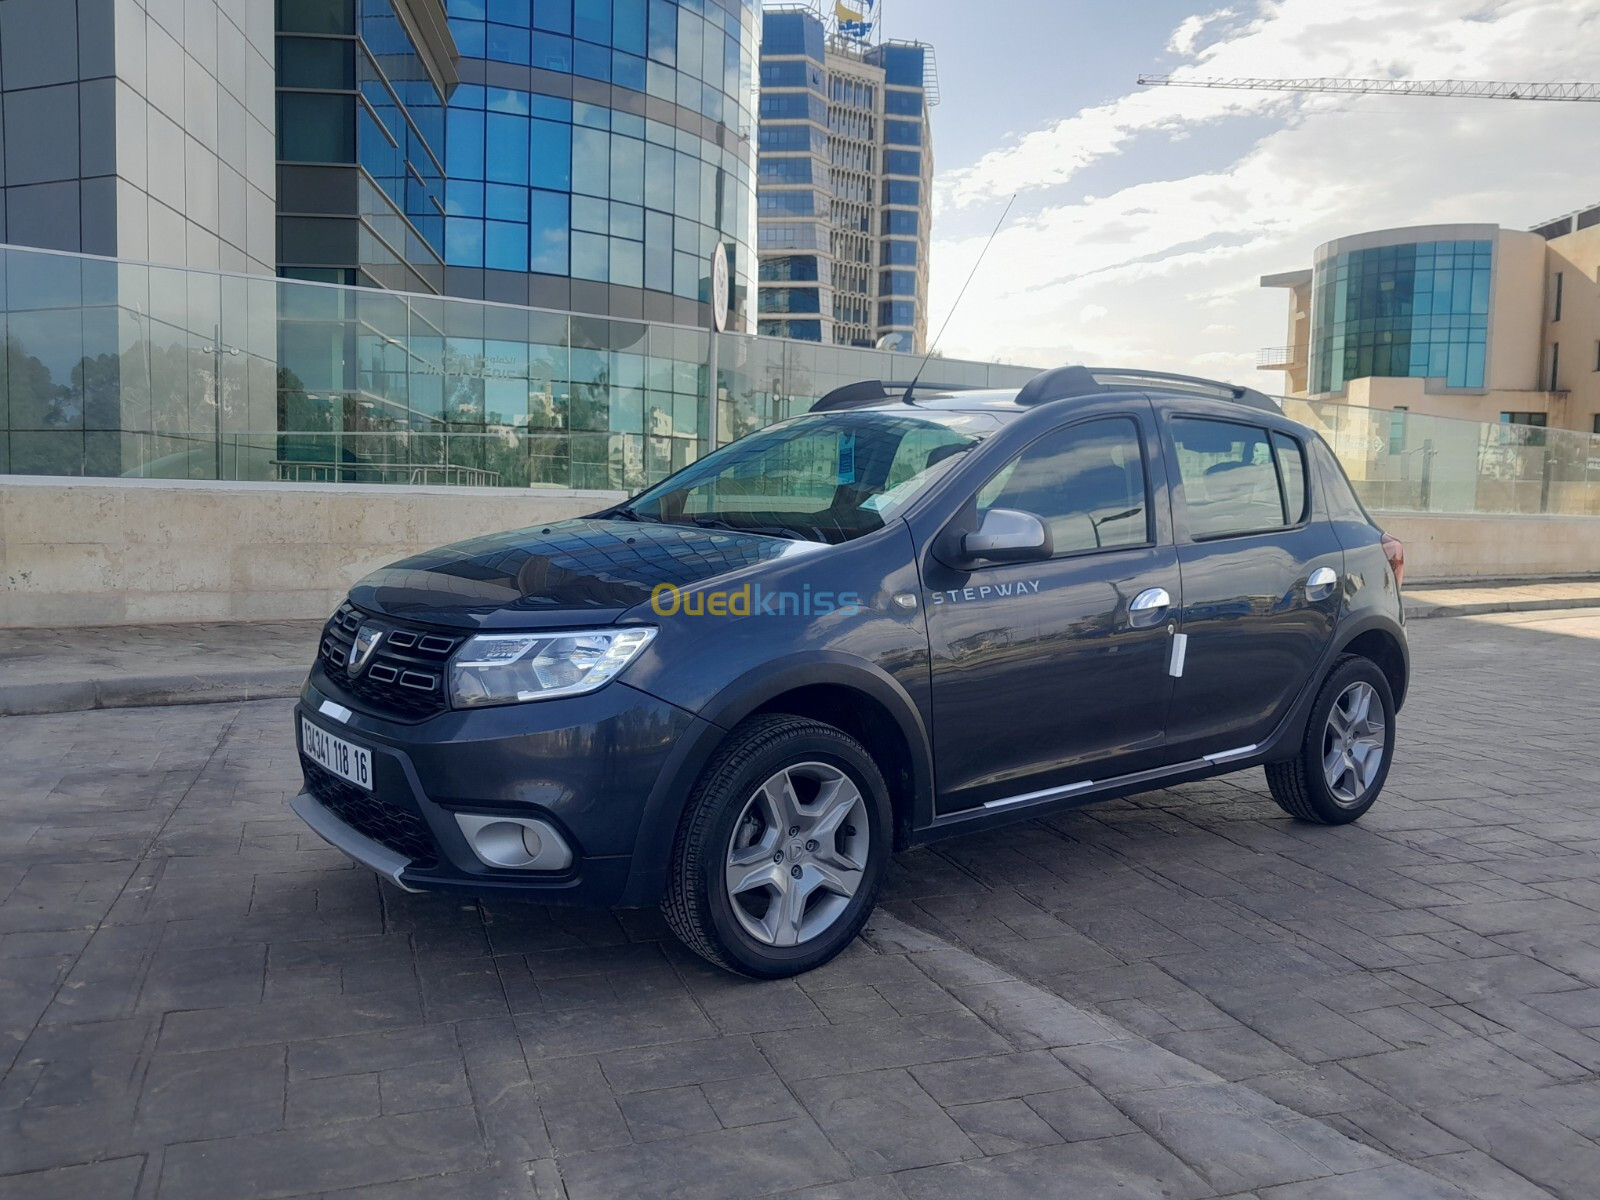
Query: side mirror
x=1008, y=535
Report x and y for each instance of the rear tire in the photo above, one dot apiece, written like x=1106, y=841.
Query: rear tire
x=1348, y=746
x=781, y=850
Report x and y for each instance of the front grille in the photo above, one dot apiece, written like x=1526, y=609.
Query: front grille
x=403, y=832
x=406, y=676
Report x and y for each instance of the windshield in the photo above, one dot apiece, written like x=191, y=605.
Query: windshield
x=829, y=477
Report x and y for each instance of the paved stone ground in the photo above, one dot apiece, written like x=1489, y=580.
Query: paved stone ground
x=1180, y=995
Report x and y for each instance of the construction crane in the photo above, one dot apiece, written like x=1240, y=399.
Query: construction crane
x=1471, y=88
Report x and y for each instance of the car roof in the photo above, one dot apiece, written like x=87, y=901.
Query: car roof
x=1061, y=383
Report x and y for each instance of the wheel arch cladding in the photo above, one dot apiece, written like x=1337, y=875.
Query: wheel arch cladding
x=866, y=720
x=1382, y=648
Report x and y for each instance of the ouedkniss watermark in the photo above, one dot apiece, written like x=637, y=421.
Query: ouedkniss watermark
x=752, y=600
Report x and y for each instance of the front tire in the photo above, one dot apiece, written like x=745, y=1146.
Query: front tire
x=781, y=850
x=1349, y=744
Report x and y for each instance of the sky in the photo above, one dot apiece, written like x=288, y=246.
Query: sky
x=1144, y=218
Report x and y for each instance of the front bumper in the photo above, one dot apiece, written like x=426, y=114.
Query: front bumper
x=588, y=765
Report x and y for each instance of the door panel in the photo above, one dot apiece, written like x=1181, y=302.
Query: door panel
x=1254, y=636
x=1038, y=676
x=1247, y=547
x=1042, y=675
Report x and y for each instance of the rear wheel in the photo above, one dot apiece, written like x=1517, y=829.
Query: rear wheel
x=1349, y=742
x=781, y=850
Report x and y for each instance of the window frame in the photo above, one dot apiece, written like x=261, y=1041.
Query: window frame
x=1269, y=432
x=1151, y=528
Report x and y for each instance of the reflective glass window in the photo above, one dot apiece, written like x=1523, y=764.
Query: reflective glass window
x=901, y=191
x=552, y=52
x=316, y=63
x=897, y=312
x=316, y=127
x=552, y=16
x=897, y=253
x=902, y=162
x=897, y=283
x=1230, y=480
x=550, y=154
x=663, y=40
x=548, y=232
x=899, y=222
x=1085, y=482
x=902, y=103
x=902, y=133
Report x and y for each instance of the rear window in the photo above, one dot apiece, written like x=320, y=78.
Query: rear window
x=1238, y=478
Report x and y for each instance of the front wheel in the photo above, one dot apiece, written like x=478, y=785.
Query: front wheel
x=1349, y=743
x=781, y=850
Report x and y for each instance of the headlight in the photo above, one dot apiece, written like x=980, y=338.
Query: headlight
x=504, y=668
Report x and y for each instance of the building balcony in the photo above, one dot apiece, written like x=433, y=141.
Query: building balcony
x=1279, y=358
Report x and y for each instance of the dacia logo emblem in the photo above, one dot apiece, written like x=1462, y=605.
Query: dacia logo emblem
x=362, y=649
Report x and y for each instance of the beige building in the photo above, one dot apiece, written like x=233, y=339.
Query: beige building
x=1467, y=321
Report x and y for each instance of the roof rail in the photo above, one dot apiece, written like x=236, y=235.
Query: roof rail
x=1062, y=383
x=875, y=391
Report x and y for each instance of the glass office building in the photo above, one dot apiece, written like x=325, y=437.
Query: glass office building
x=597, y=152
x=492, y=222
x=1414, y=309
x=117, y=368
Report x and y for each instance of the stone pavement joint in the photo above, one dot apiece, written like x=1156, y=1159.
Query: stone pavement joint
x=79, y=669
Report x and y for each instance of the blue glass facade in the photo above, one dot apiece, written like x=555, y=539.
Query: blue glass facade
x=1418, y=310
x=354, y=91
x=600, y=150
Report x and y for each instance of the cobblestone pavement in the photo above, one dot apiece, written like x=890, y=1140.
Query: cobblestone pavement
x=1180, y=995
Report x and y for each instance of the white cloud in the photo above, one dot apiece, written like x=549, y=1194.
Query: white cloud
x=1186, y=37
x=1165, y=273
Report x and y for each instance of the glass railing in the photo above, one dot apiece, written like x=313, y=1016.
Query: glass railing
x=1403, y=461
x=113, y=368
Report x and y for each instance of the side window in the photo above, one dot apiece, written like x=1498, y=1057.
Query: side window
x=1086, y=482
x=1230, y=482
x=1292, y=470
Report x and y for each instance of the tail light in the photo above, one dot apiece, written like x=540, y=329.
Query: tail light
x=1394, y=550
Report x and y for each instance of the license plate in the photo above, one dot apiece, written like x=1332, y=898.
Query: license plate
x=343, y=758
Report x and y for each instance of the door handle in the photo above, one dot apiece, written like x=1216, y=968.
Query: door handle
x=1149, y=607
x=1321, y=583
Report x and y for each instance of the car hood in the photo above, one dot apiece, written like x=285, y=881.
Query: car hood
x=585, y=571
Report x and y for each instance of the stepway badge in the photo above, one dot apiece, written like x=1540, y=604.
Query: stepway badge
x=989, y=591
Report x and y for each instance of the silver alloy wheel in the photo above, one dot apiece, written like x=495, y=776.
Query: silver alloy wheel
x=1353, y=744
x=798, y=854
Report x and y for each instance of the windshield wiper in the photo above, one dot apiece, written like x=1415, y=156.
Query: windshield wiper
x=624, y=513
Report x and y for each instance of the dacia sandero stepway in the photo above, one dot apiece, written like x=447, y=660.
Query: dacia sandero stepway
x=894, y=619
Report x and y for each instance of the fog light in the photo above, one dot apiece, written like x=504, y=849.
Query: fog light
x=515, y=843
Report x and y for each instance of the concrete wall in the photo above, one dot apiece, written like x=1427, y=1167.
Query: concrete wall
x=126, y=551
x=114, y=552
x=1576, y=258
x=1442, y=548
x=1516, y=314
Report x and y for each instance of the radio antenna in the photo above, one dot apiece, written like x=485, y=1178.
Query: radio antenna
x=915, y=379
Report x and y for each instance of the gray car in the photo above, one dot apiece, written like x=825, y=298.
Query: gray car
x=907, y=615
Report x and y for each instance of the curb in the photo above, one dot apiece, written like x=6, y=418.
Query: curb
x=1422, y=612
x=148, y=691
